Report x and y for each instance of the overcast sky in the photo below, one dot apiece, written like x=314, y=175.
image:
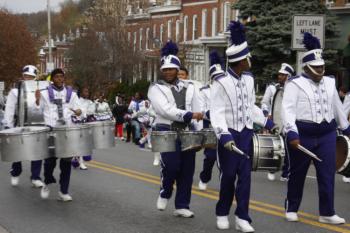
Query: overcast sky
x=28, y=6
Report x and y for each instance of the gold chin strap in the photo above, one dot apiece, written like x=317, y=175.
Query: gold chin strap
x=249, y=62
x=314, y=71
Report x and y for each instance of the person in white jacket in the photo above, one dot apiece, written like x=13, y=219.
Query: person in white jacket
x=232, y=114
x=29, y=72
x=174, y=103
x=311, y=114
x=58, y=103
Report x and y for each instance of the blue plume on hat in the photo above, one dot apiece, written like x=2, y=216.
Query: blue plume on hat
x=237, y=32
x=215, y=58
x=170, y=48
x=310, y=42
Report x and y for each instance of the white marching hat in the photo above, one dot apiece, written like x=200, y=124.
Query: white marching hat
x=313, y=56
x=30, y=70
x=239, y=48
x=286, y=69
x=169, y=58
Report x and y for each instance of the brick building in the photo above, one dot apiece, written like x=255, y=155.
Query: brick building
x=196, y=25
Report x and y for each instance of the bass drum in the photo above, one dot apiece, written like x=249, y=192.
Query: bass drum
x=24, y=144
x=277, y=109
x=32, y=116
x=102, y=134
x=268, y=152
x=70, y=141
x=343, y=156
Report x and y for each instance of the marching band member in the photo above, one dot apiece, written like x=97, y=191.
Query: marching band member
x=346, y=105
x=29, y=73
x=134, y=108
x=232, y=113
x=210, y=154
x=88, y=108
x=311, y=112
x=58, y=104
x=174, y=103
x=102, y=111
x=285, y=72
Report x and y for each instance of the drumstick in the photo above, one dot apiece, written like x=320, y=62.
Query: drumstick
x=309, y=153
x=235, y=149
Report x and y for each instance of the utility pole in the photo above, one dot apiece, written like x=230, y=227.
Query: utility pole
x=50, y=64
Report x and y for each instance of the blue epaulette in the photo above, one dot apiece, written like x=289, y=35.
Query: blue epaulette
x=293, y=77
x=205, y=87
x=248, y=73
x=216, y=78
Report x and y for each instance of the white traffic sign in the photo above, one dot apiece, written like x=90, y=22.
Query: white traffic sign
x=314, y=24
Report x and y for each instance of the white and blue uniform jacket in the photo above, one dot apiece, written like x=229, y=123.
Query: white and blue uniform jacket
x=232, y=105
x=308, y=102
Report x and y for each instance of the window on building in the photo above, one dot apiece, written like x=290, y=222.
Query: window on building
x=129, y=36
x=214, y=15
x=185, y=27
x=227, y=15
x=154, y=35
x=169, y=29
x=177, y=31
x=204, y=22
x=141, y=38
x=147, y=38
x=161, y=32
x=194, y=27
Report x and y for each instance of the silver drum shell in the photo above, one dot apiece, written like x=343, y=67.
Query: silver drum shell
x=209, y=138
x=163, y=141
x=102, y=134
x=191, y=140
x=72, y=141
x=24, y=144
x=268, y=152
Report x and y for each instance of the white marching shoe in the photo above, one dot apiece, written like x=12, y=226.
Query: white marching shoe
x=37, y=183
x=292, y=217
x=202, y=186
x=283, y=179
x=346, y=179
x=222, y=222
x=185, y=213
x=335, y=219
x=64, y=197
x=45, y=192
x=243, y=225
x=82, y=165
x=271, y=176
x=14, y=180
x=162, y=203
x=156, y=160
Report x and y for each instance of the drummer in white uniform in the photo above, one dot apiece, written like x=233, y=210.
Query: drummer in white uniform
x=58, y=103
x=285, y=72
x=215, y=71
x=311, y=113
x=232, y=113
x=29, y=72
x=346, y=105
x=173, y=101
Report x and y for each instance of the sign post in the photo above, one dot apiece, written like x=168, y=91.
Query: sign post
x=315, y=25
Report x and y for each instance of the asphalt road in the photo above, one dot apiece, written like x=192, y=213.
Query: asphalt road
x=118, y=193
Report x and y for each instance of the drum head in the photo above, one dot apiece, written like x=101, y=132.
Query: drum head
x=341, y=152
x=277, y=109
x=24, y=130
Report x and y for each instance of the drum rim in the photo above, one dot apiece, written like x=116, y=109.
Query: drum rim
x=347, y=160
x=158, y=132
x=99, y=123
x=42, y=129
x=72, y=127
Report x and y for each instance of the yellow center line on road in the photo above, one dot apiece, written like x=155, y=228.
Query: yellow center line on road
x=213, y=195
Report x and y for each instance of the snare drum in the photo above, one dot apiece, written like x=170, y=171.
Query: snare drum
x=268, y=152
x=343, y=155
x=24, y=143
x=102, y=134
x=163, y=141
x=191, y=140
x=72, y=141
x=209, y=138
